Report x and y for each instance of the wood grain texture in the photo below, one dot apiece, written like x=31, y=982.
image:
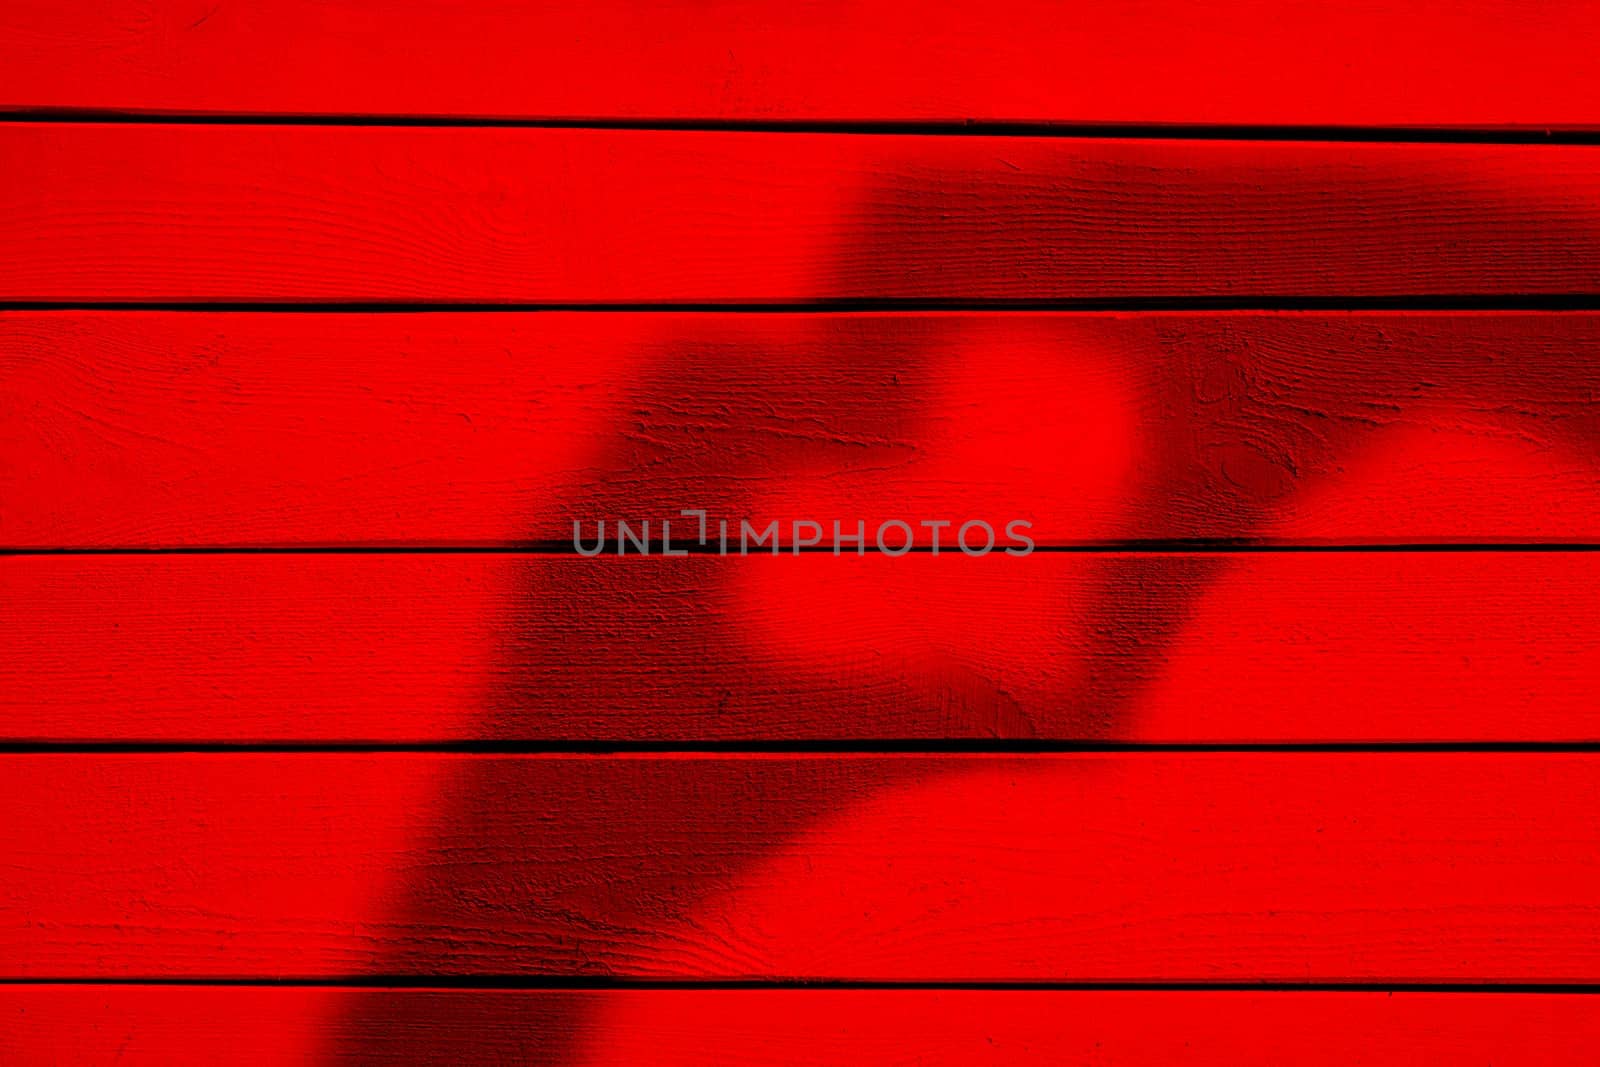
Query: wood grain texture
x=309, y=213
x=205, y=430
x=765, y=1028
x=1207, y=867
x=1486, y=62
x=502, y=429
x=1189, y=647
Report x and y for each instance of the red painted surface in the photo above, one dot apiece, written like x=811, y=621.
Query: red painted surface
x=237, y=429
x=1473, y=63
x=397, y=214
x=1179, y=867
x=764, y=1028
x=208, y=428
x=1301, y=647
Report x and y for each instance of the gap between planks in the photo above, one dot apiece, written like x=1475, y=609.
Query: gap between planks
x=1400, y=134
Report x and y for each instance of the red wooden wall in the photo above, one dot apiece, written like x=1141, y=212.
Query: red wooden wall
x=321, y=324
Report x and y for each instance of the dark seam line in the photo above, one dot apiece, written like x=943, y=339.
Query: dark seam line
x=890, y=746
x=1246, y=303
x=564, y=549
x=555, y=983
x=1492, y=135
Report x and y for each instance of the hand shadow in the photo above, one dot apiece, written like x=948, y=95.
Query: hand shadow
x=547, y=899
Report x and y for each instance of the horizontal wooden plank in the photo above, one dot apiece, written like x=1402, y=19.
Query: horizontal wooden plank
x=316, y=213
x=254, y=429
x=266, y=1026
x=1487, y=62
x=1122, y=647
x=1235, y=647
x=1212, y=867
